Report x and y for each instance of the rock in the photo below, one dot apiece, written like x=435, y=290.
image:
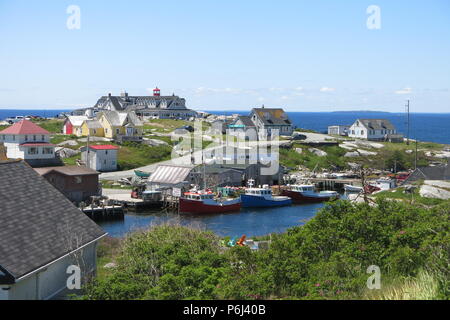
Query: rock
x=68, y=142
x=154, y=142
x=428, y=191
x=369, y=144
x=110, y=265
x=409, y=151
x=318, y=152
x=299, y=150
x=346, y=146
x=66, y=152
x=352, y=154
x=353, y=165
x=438, y=183
x=366, y=153
x=95, y=139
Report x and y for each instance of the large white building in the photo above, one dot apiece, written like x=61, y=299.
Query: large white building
x=153, y=106
x=26, y=140
x=374, y=129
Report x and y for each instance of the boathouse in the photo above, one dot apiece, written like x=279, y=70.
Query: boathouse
x=77, y=183
x=43, y=237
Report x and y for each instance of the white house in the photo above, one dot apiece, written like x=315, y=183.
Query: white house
x=100, y=157
x=270, y=119
x=43, y=237
x=373, y=129
x=26, y=140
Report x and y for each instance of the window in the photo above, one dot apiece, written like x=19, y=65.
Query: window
x=106, y=151
x=117, y=131
x=78, y=179
x=14, y=137
x=47, y=151
x=362, y=132
x=26, y=138
x=43, y=138
x=34, y=137
x=33, y=151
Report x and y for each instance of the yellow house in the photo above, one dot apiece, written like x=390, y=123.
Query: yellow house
x=120, y=123
x=92, y=128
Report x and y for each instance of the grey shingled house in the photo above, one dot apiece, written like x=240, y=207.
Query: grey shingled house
x=41, y=234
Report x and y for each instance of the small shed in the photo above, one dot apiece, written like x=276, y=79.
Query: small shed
x=100, y=157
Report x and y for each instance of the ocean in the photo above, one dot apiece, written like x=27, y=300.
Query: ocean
x=429, y=127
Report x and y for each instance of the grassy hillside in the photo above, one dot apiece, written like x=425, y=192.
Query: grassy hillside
x=327, y=258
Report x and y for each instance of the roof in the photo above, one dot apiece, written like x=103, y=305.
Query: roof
x=170, y=174
x=246, y=120
x=24, y=127
x=104, y=147
x=121, y=118
x=377, y=124
x=77, y=120
x=93, y=124
x=38, y=223
x=67, y=170
x=37, y=144
x=272, y=116
x=430, y=173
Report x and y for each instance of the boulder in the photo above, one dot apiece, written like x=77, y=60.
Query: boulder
x=438, y=183
x=428, y=191
x=68, y=143
x=66, y=152
x=366, y=153
x=299, y=150
x=352, y=154
x=154, y=142
x=318, y=152
x=110, y=265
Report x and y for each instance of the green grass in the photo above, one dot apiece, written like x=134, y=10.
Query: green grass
x=107, y=184
x=414, y=197
x=133, y=155
x=334, y=158
x=51, y=125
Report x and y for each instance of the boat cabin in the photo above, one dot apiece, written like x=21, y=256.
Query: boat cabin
x=302, y=188
x=199, y=196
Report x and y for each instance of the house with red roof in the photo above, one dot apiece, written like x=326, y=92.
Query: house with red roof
x=26, y=140
x=100, y=157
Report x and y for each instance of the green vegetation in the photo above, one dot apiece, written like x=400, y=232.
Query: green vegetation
x=334, y=158
x=51, y=125
x=165, y=125
x=111, y=185
x=133, y=155
x=412, y=197
x=327, y=258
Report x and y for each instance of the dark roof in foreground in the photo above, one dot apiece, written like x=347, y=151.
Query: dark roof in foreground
x=38, y=224
x=67, y=170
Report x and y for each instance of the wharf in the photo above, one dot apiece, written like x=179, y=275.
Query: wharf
x=97, y=213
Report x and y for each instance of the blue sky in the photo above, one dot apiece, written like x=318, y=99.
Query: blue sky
x=228, y=55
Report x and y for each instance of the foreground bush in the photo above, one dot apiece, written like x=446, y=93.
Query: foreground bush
x=327, y=258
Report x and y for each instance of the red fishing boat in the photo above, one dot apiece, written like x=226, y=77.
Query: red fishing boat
x=307, y=194
x=204, y=202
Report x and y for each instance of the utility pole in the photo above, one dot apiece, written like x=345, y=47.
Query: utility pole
x=87, y=151
x=415, y=160
x=407, y=121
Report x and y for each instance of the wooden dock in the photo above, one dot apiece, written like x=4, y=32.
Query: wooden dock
x=97, y=213
x=334, y=184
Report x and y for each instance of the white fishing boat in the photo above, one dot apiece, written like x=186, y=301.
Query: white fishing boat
x=350, y=188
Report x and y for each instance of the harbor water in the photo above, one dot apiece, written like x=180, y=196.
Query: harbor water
x=249, y=221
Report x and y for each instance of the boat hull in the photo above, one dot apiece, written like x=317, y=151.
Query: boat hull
x=194, y=206
x=298, y=197
x=249, y=201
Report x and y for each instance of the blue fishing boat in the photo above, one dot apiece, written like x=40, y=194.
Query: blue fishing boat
x=263, y=198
